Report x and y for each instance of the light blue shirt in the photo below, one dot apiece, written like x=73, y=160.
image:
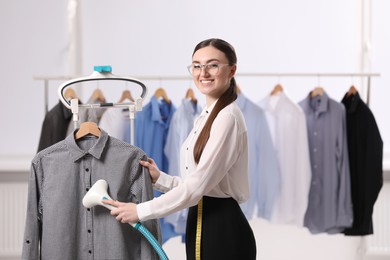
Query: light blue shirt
x=264, y=175
x=151, y=129
x=181, y=125
x=330, y=203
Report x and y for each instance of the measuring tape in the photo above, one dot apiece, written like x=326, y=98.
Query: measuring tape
x=198, y=230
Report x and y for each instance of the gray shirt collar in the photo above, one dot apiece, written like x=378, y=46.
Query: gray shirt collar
x=96, y=150
x=316, y=105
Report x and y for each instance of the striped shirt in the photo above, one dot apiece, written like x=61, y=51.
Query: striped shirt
x=330, y=204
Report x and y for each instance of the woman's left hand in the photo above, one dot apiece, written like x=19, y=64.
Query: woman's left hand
x=124, y=212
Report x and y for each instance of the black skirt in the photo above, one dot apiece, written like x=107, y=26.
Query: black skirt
x=226, y=233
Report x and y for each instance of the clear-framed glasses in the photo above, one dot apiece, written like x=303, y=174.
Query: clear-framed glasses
x=212, y=68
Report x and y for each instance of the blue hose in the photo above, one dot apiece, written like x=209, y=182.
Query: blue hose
x=144, y=231
x=152, y=240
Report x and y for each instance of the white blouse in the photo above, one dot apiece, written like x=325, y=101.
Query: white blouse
x=222, y=171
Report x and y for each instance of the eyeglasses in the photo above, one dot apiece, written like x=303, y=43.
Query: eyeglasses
x=212, y=68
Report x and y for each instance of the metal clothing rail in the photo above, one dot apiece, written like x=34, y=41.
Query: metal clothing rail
x=319, y=75
x=308, y=74
x=47, y=79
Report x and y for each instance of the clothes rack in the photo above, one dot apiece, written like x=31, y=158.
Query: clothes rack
x=47, y=79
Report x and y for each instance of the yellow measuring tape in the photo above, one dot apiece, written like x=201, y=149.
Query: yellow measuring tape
x=198, y=230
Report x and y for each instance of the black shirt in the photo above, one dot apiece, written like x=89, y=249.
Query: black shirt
x=365, y=147
x=54, y=126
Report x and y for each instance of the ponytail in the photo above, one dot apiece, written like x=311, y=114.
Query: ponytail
x=227, y=98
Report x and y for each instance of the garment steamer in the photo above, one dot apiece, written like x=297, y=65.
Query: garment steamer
x=98, y=191
x=94, y=197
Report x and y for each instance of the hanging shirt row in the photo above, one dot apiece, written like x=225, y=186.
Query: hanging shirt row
x=329, y=163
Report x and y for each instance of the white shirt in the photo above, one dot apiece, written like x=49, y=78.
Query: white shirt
x=222, y=171
x=115, y=122
x=288, y=128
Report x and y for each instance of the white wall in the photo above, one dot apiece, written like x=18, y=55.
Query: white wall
x=380, y=60
x=157, y=38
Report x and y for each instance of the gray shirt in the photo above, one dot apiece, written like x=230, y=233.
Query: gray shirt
x=330, y=204
x=57, y=224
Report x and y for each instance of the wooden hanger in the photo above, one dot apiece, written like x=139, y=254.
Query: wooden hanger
x=317, y=91
x=70, y=94
x=87, y=128
x=352, y=91
x=97, y=94
x=126, y=94
x=278, y=88
x=191, y=95
x=160, y=93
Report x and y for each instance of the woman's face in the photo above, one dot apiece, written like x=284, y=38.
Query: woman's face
x=212, y=80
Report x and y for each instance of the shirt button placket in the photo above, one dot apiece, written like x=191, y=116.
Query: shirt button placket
x=315, y=156
x=89, y=212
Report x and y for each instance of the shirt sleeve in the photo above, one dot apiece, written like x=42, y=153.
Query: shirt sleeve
x=142, y=189
x=269, y=175
x=344, y=205
x=166, y=182
x=219, y=154
x=31, y=239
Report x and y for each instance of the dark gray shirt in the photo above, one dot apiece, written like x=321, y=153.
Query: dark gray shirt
x=54, y=126
x=330, y=204
x=57, y=224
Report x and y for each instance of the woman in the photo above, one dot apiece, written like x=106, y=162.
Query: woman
x=214, y=167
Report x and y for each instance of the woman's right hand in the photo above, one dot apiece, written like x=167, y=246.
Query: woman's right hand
x=153, y=169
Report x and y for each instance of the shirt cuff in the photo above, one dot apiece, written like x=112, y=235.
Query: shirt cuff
x=144, y=211
x=163, y=183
